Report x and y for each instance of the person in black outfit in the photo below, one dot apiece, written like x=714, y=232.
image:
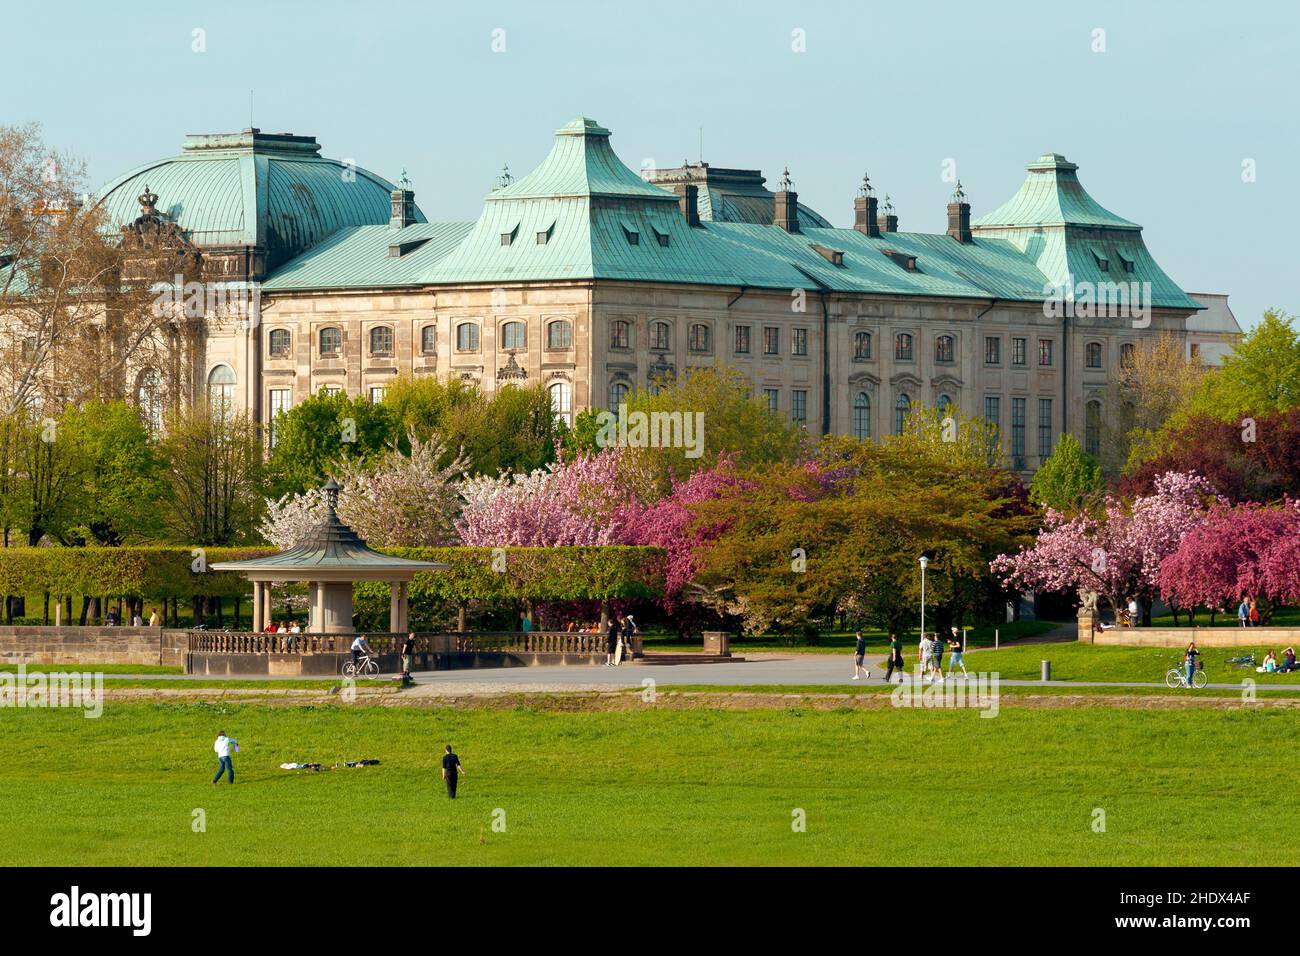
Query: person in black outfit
x=895, y=658
x=450, y=769
x=611, y=641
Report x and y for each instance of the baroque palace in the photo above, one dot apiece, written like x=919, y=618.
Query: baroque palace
x=594, y=280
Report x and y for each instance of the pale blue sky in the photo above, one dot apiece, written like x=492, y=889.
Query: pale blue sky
x=1160, y=123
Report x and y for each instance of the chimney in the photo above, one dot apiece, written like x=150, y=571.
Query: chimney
x=688, y=201
x=785, y=213
x=864, y=210
x=959, y=216
x=889, y=222
x=403, y=197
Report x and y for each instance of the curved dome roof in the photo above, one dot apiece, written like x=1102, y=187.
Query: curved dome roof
x=273, y=191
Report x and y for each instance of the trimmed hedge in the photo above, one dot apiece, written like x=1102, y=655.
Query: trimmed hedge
x=530, y=574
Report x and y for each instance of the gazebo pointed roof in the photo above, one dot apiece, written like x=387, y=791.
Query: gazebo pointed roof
x=333, y=551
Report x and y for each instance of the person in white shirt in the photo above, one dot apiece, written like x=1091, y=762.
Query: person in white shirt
x=223, y=746
x=359, y=647
x=1132, y=612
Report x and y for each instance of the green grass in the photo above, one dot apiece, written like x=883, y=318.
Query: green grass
x=840, y=642
x=1005, y=691
x=1178, y=787
x=1090, y=662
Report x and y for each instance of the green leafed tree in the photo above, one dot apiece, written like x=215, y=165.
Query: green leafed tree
x=1068, y=480
x=317, y=435
x=1261, y=375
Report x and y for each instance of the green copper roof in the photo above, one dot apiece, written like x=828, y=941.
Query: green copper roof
x=583, y=215
x=581, y=163
x=253, y=189
x=1053, y=196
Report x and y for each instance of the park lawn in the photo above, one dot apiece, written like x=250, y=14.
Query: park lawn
x=1091, y=662
x=841, y=642
x=1282, y=617
x=649, y=786
x=1024, y=690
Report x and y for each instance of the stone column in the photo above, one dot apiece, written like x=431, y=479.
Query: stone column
x=258, y=607
x=318, y=605
x=267, y=616
x=395, y=607
x=406, y=608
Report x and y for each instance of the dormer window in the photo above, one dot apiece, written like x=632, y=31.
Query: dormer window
x=509, y=237
x=834, y=256
x=1126, y=262
x=661, y=236
x=632, y=233
x=902, y=259
x=1103, y=263
x=544, y=236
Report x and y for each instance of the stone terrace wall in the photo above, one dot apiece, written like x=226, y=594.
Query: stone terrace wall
x=1203, y=636
x=92, y=645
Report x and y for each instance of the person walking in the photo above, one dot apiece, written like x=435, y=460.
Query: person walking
x=1243, y=613
x=1254, y=613
x=956, y=659
x=859, y=649
x=895, y=658
x=612, y=635
x=451, y=768
x=153, y=618
x=926, y=651
x=408, y=656
x=223, y=747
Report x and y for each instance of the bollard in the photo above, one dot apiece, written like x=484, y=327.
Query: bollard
x=1046, y=673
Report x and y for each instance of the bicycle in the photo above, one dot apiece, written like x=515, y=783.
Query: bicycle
x=1247, y=662
x=367, y=667
x=1177, y=677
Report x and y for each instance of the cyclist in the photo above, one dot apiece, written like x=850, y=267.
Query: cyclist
x=359, y=647
x=1189, y=661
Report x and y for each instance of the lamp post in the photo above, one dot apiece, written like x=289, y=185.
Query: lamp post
x=924, y=564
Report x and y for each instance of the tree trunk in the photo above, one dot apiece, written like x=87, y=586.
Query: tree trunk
x=460, y=618
x=237, y=602
x=47, y=608
x=85, y=610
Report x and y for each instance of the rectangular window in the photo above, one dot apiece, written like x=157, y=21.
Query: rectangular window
x=771, y=340
x=773, y=396
x=377, y=393
x=1044, y=351
x=1018, y=429
x=1044, y=427
x=1019, y=351
x=993, y=410
x=992, y=350
x=281, y=400
x=333, y=389
x=799, y=344
x=742, y=340
x=799, y=406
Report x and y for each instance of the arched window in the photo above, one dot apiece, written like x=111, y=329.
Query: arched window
x=1092, y=352
x=148, y=398
x=381, y=340
x=1092, y=428
x=862, y=416
x=221, y=390
x=429, y=339
x=279, y=342
x=943, y=349
x=659, y=333
x=562, y=401
x=901, y=409
x=467, y=337
x=617, y=395
x=512, y=335
x=331, y=341
x=903, y=347
x=559, y=335
x=944, y=404
x=1126, y=355
x=620, y=334
x=698, y=341
x=862, y=345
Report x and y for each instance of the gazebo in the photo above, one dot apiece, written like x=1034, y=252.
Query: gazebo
x=330, y=559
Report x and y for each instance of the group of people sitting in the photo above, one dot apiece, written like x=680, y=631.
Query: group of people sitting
x=1272, y=665
x=290, y=627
